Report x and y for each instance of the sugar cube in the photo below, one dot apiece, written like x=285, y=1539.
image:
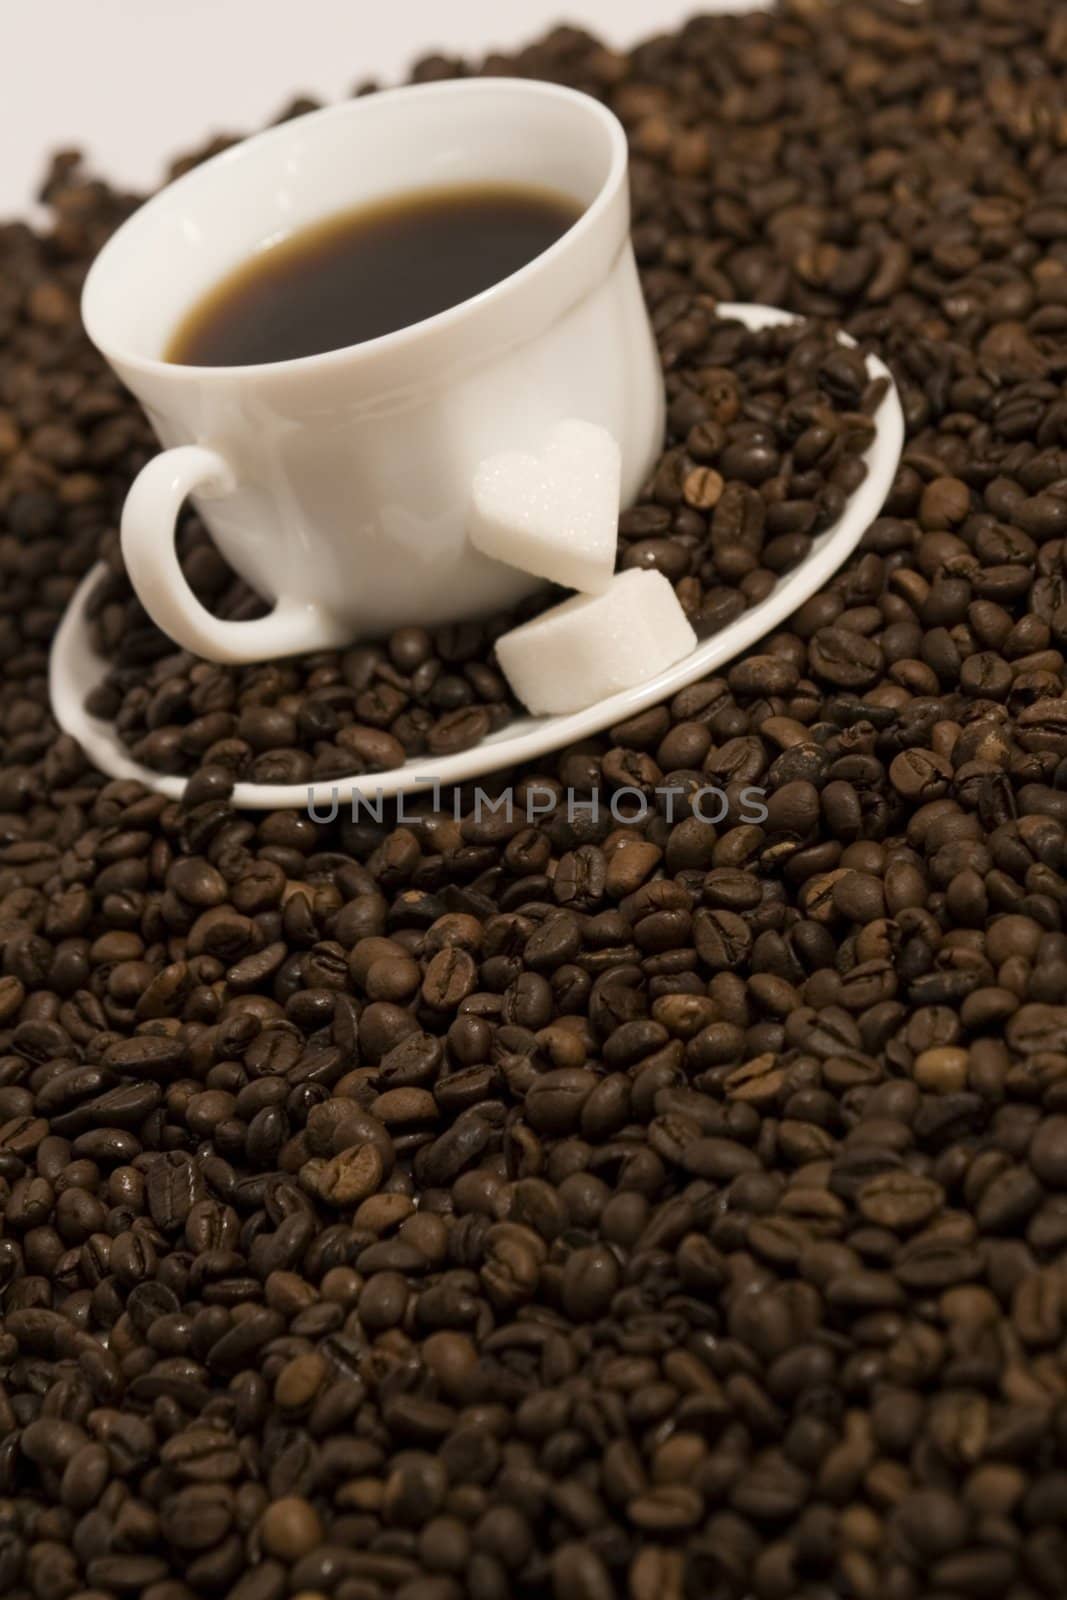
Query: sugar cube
x=595, y=645
x=554, y=514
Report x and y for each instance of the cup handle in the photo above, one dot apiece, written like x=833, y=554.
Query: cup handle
x=149, y=520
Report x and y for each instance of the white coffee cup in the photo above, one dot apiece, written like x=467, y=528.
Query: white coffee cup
x=339, y=485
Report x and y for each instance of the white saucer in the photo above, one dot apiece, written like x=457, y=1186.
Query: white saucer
x=75, y=668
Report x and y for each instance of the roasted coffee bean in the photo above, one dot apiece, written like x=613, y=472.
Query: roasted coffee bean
x=290, y=1528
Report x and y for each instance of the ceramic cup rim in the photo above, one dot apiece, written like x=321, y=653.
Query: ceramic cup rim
x=95, y=318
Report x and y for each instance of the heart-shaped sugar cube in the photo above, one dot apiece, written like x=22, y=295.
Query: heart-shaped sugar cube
x=555, y=514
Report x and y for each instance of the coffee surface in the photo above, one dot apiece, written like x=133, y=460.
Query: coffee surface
x=369, y=271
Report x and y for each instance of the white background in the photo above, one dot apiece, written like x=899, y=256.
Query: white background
x=134, y=82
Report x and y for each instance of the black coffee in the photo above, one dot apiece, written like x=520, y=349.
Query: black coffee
x=368, y=272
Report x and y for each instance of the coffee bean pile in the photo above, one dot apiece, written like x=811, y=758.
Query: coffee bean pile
x=463, y=1208
x=767, y=434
